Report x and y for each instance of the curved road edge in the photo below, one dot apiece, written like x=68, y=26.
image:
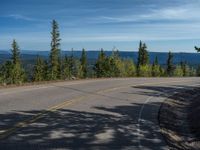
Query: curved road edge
x=178, y=119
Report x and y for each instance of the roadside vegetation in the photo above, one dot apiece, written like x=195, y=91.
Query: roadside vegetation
x=70, y=67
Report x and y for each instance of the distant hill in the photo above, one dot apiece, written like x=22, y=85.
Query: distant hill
x=193, y=59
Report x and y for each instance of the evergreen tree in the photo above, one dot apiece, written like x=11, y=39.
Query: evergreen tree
x=84, y=63
x=100, y=64
x=17, y=73
x=197, y=49
x=72, y=65
x=193, y=72
x=162, y=71
x=67, y=72
x=170, y=66
x=114, y=65
x=130, y=68
x=143, y=61
x=145, y=56
x=1, y=75
x=60, y=66
x=46, y=67
x=198, y=71
x=156, y=68
x=39, y=70
x=140, y=53
x=77, y=69
x=178, y=71
x=145, y=71
x=6, y=72
x=185, y=68
x=15, y=53
x=55, y=52
x=156, y=61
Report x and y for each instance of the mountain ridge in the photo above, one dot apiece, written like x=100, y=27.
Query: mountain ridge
x=192, y=59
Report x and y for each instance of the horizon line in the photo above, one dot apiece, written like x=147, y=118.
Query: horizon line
x=104, y=51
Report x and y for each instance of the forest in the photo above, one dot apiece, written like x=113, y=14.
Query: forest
x=71, y=67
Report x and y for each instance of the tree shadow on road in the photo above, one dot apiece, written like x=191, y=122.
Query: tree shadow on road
x=176, y=115
x=70, y=129
x=109, y=128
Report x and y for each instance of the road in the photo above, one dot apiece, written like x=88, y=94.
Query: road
x=87, y=114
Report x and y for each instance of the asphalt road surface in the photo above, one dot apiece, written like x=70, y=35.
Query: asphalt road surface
x=89, y=114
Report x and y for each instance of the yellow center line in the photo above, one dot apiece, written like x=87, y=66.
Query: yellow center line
x=25, y=123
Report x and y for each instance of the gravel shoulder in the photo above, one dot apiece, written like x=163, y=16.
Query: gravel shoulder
x=179, y=120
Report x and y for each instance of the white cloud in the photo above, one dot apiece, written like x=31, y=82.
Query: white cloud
x=20, y=17
x=179, y=13
x=126, y=38
x=25, y=18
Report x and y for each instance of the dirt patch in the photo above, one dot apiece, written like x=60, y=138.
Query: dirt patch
x=179, y=120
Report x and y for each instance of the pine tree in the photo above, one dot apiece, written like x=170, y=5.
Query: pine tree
x=6, y=72
x=145, y=71
x=162, y=71
x=83, y=61
x=145, y=56
x=193, y=72
x=198, y=71
x=100, y=64
x=156, y=68
x=140, y=53
x=143, y=61
x=60, y=66
x=170, y=66
x=55, y=52
x=66, y=71
x=114, y=65
x=72, y=65
x=15, y=53
x=77, y=69
x=1, y=76
x=178, y=71
x=46, y=67
x=197, y=49
x=185, y=68
x=39, y=70
x=130, y=68
x=156, y=61
x=17, y=73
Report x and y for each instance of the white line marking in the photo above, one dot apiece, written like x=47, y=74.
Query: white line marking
x=140, y=115
x=146, y=102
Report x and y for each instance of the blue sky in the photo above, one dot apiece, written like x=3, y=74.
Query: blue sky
x=163, y=24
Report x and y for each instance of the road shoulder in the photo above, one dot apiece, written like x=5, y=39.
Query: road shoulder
x=175, y=120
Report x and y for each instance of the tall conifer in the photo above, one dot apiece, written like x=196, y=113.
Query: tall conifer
x=83, y=61
x=55, y=52
x=170, y=66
